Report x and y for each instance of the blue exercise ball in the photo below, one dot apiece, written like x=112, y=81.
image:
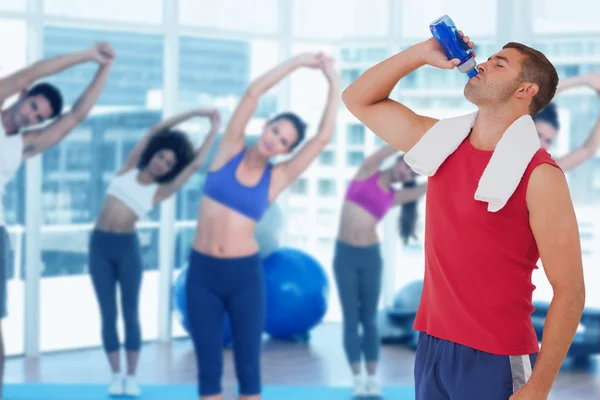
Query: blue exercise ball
x=407, y=300
x=179, y=299
x=404, y=311
x=297, y=290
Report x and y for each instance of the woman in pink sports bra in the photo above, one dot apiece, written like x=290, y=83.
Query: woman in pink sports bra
x=357, y=261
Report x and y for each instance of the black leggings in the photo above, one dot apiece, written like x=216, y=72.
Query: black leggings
x=235, y=286
x=115, y=258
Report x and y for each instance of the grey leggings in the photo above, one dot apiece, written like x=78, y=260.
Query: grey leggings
x=358, y=276
x=115, y=258
x=4, y=260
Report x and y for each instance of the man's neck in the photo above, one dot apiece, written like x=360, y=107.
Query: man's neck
x=490, y=126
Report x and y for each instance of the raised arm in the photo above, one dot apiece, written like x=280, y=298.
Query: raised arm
x=288, y=171
x=133, y=159
x=22, y=79
x=373, y=162
x=167, y=190
x=409, y=195
x=368, y=97
x=233, y=138
x=578, y=156
x=554, y=226
x=36, y=141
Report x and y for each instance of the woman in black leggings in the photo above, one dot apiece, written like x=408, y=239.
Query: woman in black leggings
x=156, y=168
x=225, y=273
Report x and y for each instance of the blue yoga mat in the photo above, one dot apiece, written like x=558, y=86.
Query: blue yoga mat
x=184, y=392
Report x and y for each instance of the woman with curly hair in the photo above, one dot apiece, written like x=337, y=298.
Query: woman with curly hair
x=156, y=168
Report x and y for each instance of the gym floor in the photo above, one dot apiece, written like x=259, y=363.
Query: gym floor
x=318, y=363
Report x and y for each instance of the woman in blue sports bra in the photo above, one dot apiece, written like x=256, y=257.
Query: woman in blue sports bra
x=225, y=274
x=157, y=167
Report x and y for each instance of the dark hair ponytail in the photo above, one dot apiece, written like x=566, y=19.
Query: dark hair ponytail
x=407, y=222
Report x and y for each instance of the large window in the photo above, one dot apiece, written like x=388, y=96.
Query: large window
x=142, y=11
x=476, y=19
x=355, y=158
x=340, y=18
x=260, y=16
x=12, y=59
x=326, y=188
x=327, y=217
x=555, y=16
x=300, y=186
x=327, y=158
x=356, y=134
x=14, y=5
x=79, y=170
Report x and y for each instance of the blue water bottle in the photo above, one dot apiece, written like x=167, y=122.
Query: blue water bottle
x=445, y=32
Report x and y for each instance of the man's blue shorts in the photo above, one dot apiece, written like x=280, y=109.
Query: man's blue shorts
x=450, y=371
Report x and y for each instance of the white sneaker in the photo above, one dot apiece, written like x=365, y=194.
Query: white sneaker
x=116, y=386
x=359, y=389
x=372, y=387
x=131, y=386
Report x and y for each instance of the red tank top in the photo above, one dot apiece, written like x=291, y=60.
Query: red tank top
x=478, y=264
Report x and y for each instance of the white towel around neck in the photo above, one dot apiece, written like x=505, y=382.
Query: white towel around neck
x=510, y=158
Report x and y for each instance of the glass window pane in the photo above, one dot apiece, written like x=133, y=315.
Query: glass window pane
x=216, y=73
x=355, y=158
x=299, y=241
x=308, y=96
x=299, y=217
x=258, y=16
x=326, y=188
x=333, y=19
x=12, y=59
x=367, y=18
x=300, y=186
x=309, y=87
x=81, y=168
x=476, y=18
x=13, y=5
x=140, y=11
x=553, y=16
x=327, y=217
x=356, y=134
x=353, y=61
x=318, y=19
x=327, y=158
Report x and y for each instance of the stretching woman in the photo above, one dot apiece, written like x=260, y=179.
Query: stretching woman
x=156, y=168
x=546, y=123
x=357, y=262
x=225, y=274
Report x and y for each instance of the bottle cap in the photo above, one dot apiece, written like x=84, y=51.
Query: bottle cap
x=469, y=67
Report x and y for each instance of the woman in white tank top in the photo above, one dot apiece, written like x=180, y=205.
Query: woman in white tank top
x=156, y=168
